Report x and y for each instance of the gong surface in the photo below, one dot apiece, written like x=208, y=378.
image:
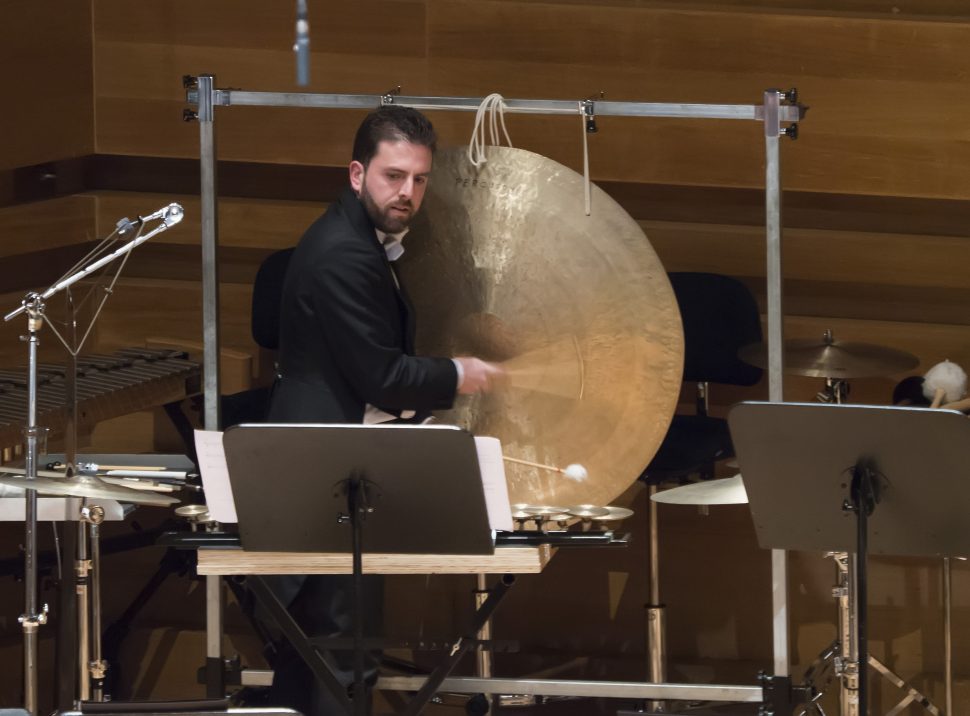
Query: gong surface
x=502, y=263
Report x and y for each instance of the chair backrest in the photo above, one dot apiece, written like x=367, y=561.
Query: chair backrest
x=267, y=297
x=720, y=316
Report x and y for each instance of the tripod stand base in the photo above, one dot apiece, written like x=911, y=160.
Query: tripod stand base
x=827, y=659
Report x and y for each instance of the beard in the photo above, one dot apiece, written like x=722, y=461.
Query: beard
x=386, y=219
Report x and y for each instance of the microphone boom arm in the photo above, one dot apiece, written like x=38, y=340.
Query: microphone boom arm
x=170, y=216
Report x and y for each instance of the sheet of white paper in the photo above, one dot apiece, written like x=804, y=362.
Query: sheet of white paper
x=215, y=475
x=493, y=478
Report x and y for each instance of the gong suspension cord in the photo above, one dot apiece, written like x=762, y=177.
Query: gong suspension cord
x=492, y=107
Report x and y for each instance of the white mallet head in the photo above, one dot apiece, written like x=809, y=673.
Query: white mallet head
x=946, y=376
x=575, y=472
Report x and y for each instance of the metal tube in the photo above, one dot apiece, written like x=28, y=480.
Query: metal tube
x=779, y=560
x=82, y=568
x=656, y=613
x=210, y=265
x=947, y=635
x=97, y=665
x=227, y=98
x=213, y=632
x=852, y=669
x=31, y=619
x=594, y=689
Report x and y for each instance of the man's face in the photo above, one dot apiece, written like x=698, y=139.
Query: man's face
x=392, y=186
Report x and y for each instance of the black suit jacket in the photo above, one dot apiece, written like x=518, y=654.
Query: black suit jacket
x=347, y=331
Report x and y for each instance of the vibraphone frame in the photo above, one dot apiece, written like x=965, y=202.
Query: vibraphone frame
x=777, y=107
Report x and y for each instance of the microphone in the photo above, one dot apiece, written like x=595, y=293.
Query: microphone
x=302, y=45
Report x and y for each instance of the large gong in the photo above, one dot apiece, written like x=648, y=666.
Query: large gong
x=502, y=263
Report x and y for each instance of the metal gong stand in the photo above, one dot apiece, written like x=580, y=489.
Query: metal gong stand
x=33, y=306
x=779, y=112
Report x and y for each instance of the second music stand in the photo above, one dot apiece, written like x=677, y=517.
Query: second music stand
x=855, y=478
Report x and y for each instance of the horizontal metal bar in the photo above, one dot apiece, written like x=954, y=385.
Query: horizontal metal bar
x=789, y=113
x=592, y=689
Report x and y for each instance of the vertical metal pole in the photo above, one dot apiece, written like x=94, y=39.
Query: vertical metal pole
x=483, y=655
x=779, y=561
x=210, y=240
x=215, y=686
x=656, y=612
x=82, y=568
x=852, y=669
x=31, y=620
x=98, y=666
x=947, y=635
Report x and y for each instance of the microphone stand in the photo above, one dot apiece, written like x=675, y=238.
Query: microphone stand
x=33, y=306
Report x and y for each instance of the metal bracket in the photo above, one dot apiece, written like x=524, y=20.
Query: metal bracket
x=780, y=696
x=388, y=97
x=589, y=109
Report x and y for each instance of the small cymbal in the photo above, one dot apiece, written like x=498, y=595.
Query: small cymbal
x=193, y=513
x=587, y=511
x=727, y=491
x=614, y=514
x=830, y=358
x=519, y=511
x=543, y=510
x=86, y=486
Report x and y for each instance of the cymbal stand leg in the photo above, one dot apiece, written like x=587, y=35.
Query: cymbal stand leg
x=97, y=667
x=656, y=612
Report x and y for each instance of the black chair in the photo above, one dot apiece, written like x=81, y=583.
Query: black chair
x=251, y=406
x=720, y=316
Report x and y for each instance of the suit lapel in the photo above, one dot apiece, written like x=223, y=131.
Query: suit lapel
x=357, y=215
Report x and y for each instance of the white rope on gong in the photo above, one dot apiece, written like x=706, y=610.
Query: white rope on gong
x=492, y=108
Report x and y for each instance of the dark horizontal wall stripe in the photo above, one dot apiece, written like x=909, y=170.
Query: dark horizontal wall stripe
x=658, y=202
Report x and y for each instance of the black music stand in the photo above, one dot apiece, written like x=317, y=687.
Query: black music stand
x=296, y=487
x=855, y=478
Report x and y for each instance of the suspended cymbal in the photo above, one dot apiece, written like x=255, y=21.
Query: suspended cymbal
x=727, y=491
x=81, y=486
x=830, y=358
x=502, y=263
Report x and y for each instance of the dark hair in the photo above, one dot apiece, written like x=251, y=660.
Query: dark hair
x=392, y=123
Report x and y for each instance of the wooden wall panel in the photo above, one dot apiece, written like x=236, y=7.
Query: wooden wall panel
x=44, y=225
x=886, y=106
x=45, y=63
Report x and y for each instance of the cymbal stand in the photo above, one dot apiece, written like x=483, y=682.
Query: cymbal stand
x=31, y=619
x=92, y=516
x=836, y=391
x=33, y=306
x=656, y=612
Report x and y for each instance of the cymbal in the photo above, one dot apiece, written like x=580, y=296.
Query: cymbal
x=86, y=486
x=833, y=359
x=587, y=511
x=502, y=263
x=727, y=491
x=614, y=514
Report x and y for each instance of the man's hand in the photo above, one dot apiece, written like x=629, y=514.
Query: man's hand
x=479, y=376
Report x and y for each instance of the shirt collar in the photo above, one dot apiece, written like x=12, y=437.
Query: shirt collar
x=393, y=244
